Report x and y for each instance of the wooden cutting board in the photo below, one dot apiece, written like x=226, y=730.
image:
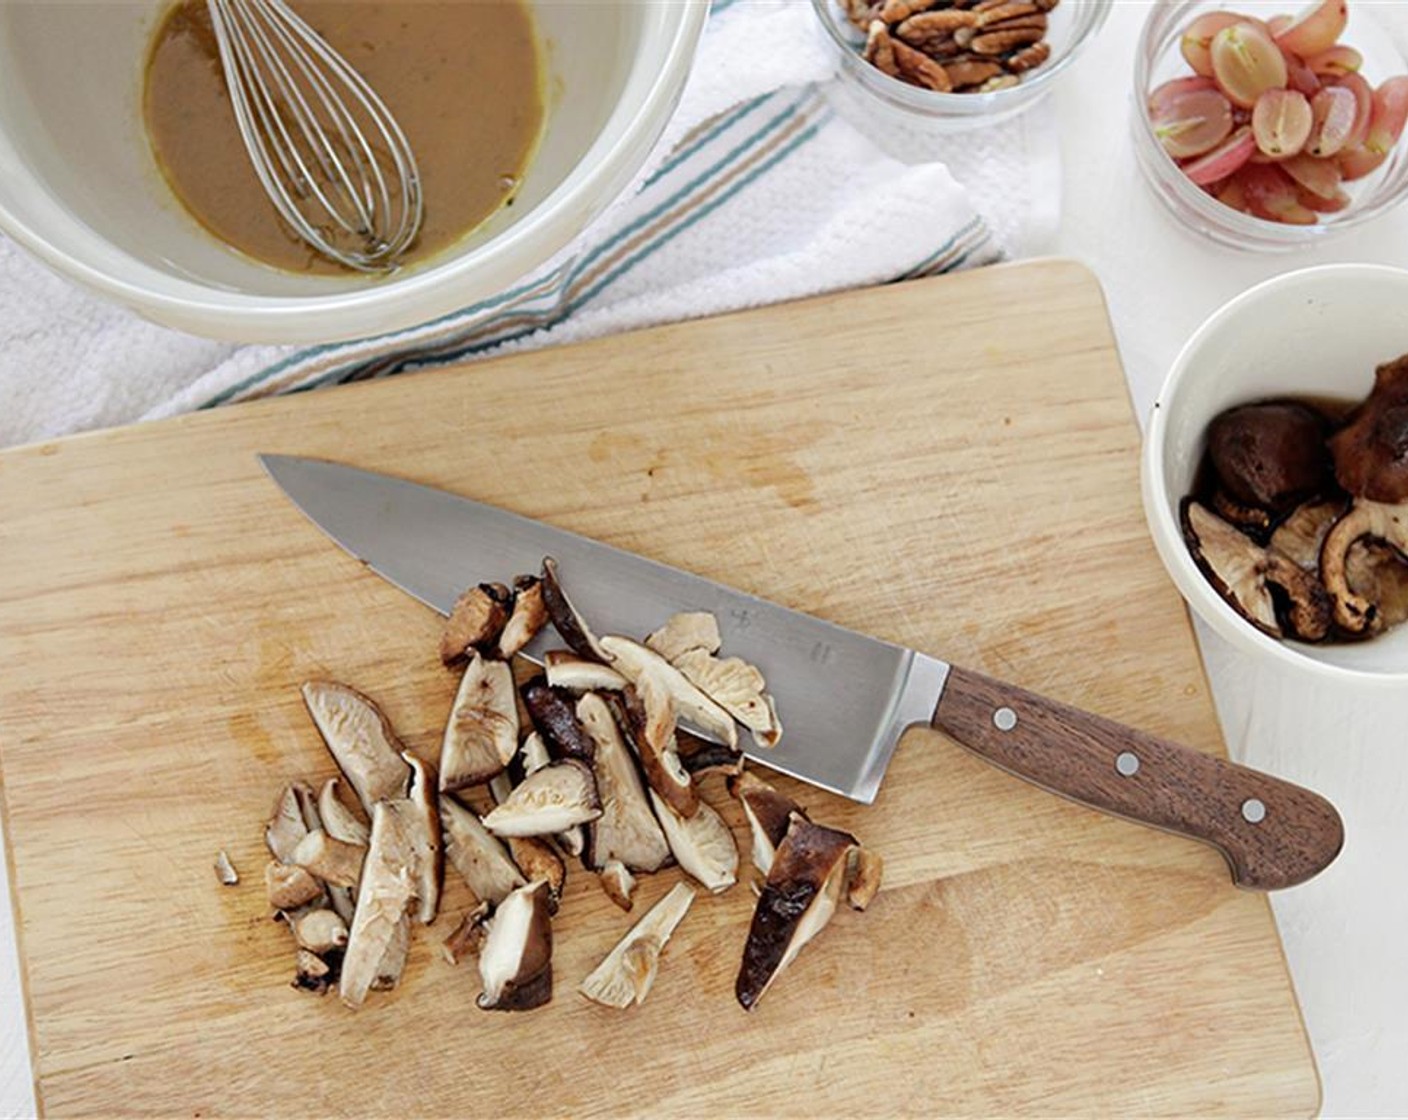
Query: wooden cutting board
x=950, y=464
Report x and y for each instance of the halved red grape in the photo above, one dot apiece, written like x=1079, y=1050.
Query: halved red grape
x=1319, y=176
x=1280, y=122
x=1278, y=24
x=1231, y=193
x=1336, y=62
x=1389, y=113
x=1246, y=63
x=1226, y=158
x=1333, y=113
x=1190, y=122
x=1271, y=195
x=1316, y=28
x=1299, y=76
x=1363, y=107
x=1332, y=205
x=1198, y=37
x=1358, y=162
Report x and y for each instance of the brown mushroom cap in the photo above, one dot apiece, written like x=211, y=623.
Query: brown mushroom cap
x=570, y=625
x=554, y=714
x=530, y=615
x=1371, y=452
x=769, y=814
x=1244, y=574
x=1269, y=455
x=475, y=621
x=1354, y=610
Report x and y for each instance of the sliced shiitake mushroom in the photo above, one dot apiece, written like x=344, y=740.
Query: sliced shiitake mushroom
x=334, y=861
x=482, y=733
x=386, y=893
x=769, y=814
x=1387, y=525
x=287, y=825
x=627, y=830
x=570, y=625
x=225, y=869
x=702, y=844
x=1245, y=574
x=646, y=669
x=737, y=687
x=340, y=822
x=360, y=739
x=578, y=674
x=554, y=713
x=627, y=974
x=515, y=959
x=313, y=973
x=319, y=931
x=423, y=823
x=467, y=938
x=1301, y=535
x=289, y=886
x=477, y=854
x=559, y=796
x=529, y=616
x=806, y=881
x=647, y=718
x=684, y=633
x=475, y=622
x=1379, y=573
x=864, y=871
x=701, y=756
x=618, y=883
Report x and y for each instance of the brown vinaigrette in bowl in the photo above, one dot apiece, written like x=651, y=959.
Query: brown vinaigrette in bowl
x=462, y=77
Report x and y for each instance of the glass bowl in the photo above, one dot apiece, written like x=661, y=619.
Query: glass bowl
x=1384, y=44
x=1073, y=23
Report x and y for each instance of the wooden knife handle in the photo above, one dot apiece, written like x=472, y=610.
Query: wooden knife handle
x=1272, y=833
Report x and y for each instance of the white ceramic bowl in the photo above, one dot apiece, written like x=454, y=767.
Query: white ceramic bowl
x=80, y=188
x=1316, y=332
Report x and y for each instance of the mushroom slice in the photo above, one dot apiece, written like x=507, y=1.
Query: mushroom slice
x=798, y=899
x=532, y=757
x=618, y=883
x=475, y=621
x=628, y=972
x=1356, y=611
x=684, y=633
x=627, y=830
x=864, y=870
x=482, y=733
x=554, y=714
x=423, y=820
x=648, y=718
x=339, y=821
x=477, y=854
x=467, y=937
x=319, y=931
x=360, y=740
x=1380, y=574
x=539, y=862
x=737, y=687
x=287, y=826
x=393, y=961
x=515, y=960
x=558, y=796
x=702, y=844
x=570, y=625
x=1301, y=536
x=529, y=616
x=639, y=664
x=290, y=887
x=1244, y=574
x=699, y=756
x=313, y=973
x=225, y=869
x=334, y=861
x=387, y=890
x=769, y=815
x=577, y=674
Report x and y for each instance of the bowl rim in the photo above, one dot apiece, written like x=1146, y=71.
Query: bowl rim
x=1164, y=527
x=969, y=104
x=603, y=172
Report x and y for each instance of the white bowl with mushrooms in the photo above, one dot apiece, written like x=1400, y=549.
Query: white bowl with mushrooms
x=1320, y=580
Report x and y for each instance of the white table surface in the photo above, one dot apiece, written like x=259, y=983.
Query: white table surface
x=1346, y=932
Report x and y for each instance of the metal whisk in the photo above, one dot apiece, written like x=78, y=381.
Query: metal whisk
x=330, y=155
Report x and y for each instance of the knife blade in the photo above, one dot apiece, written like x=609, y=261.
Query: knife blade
x=845, y=698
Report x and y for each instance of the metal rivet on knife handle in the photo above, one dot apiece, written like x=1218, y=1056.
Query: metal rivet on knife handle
x=1004, y=719
x=1253, y=811
x=1127, y=763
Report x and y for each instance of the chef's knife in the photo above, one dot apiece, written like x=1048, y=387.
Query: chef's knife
x=844, y=698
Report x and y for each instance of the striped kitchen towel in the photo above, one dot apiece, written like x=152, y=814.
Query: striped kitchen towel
x=760, y=191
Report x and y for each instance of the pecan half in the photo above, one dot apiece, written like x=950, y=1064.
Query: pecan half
x=932, y=23
x=893, y=11
x=940, y=47
x=1000, y=42
x=1020, y=23
x=880, y=49
x=1029, y=58
x=919, y=69
x=964, y=36
x=1011, y=10
x=971, y=73
x=860, y=12
x=1001, y=81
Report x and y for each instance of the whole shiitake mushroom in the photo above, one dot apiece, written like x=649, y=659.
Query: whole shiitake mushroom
x=1270, y=455
x=1371, y=452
